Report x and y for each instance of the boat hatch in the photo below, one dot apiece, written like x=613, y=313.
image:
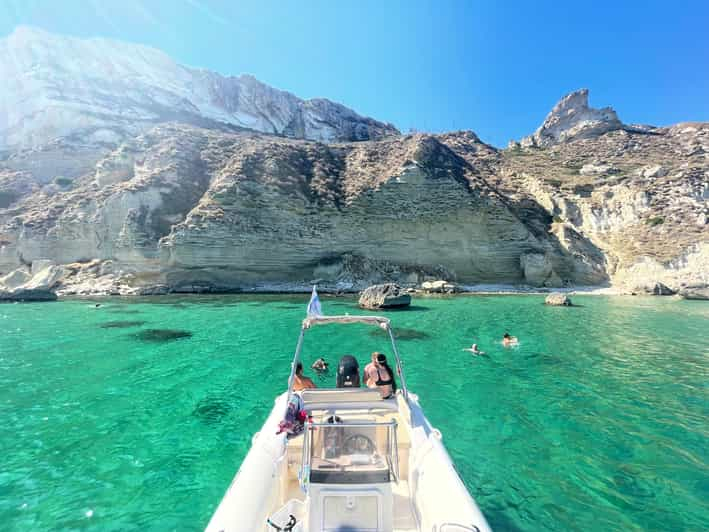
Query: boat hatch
x=355, y=452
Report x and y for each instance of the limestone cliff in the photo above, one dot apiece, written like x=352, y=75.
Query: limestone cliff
x=638, y=195
x=197, y=209
x=173, y=203
x=99, y=92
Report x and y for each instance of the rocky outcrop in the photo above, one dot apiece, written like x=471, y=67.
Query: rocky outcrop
x=99, y=92
x=699, y=293
x=572, y=119
x=630, y=202
x=660, y=289
x=193, y=207
x=37, y=284
x=557, y=299
x=182, y=208
x=384, y=296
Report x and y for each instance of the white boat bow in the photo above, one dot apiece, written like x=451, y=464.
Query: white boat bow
x=361, y=463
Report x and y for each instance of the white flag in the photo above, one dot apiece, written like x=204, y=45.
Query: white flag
x=314, y=305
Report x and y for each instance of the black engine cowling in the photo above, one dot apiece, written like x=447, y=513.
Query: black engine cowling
x=348, y=372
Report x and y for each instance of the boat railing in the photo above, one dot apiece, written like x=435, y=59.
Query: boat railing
x=377, y=321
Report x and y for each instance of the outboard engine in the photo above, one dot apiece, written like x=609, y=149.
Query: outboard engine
x=348, y=372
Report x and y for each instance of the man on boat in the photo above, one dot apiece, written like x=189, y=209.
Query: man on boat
x=301, y=382
x=370, y=370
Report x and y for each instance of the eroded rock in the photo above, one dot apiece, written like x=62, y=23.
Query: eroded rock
x=571, y=119
x=700, y=293
x=387, y=295
x=558, y=300
x=660, y=289
x=21, y=285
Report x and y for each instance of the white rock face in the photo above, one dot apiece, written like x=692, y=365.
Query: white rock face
x=653, y=171
x=596, y=169
x=14, y=279
x=572, y=119
x=539, y=270
x=439, y=287
x=20, y=285
x=103, y=90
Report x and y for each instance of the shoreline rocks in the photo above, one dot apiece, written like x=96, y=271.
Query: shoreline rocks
x=387, y=295
x=27, y=295
x=439, y=287
x=37, y=284
x=662, y=290
x=695, y=293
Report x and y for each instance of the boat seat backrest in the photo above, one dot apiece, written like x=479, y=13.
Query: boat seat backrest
x=354, y=395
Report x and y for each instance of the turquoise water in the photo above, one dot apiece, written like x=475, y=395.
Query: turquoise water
x=597, y=421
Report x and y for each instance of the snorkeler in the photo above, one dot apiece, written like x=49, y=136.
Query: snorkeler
x=474, y=350
x=320, y=365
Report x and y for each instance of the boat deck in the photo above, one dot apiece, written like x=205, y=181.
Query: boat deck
x=404, y=517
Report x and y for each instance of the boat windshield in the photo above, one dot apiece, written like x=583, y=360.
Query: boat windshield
x=338, y=452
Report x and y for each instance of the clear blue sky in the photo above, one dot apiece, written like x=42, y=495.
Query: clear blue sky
x=494, y=67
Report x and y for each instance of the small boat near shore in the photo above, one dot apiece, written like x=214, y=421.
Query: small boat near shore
x=352, y=461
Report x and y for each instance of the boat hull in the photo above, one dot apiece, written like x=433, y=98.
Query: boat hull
x=434, y=492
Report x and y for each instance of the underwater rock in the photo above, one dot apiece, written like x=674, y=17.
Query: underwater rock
x=212, y=409
x=162, y=335
x=402, y=334
x=121, y=324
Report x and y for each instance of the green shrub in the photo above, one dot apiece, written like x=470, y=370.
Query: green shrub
x=584, y=191
x=6, y=198
x=655, y=220
x=63, y=181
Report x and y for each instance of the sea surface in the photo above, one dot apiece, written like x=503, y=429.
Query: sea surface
x=135, y=415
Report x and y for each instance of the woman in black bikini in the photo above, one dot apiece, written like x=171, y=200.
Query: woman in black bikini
x=382, y=376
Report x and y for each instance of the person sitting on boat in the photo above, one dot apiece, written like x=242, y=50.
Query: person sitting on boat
x=508, y=340
x=293, y=422
x=474, y=350
x=301, y=382
x=381, y=376
x=370, y=370
x=319, y=365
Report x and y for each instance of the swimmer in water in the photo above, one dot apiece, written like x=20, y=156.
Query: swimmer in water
x=320, y=365
x=474, y=350
x=509, y=341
